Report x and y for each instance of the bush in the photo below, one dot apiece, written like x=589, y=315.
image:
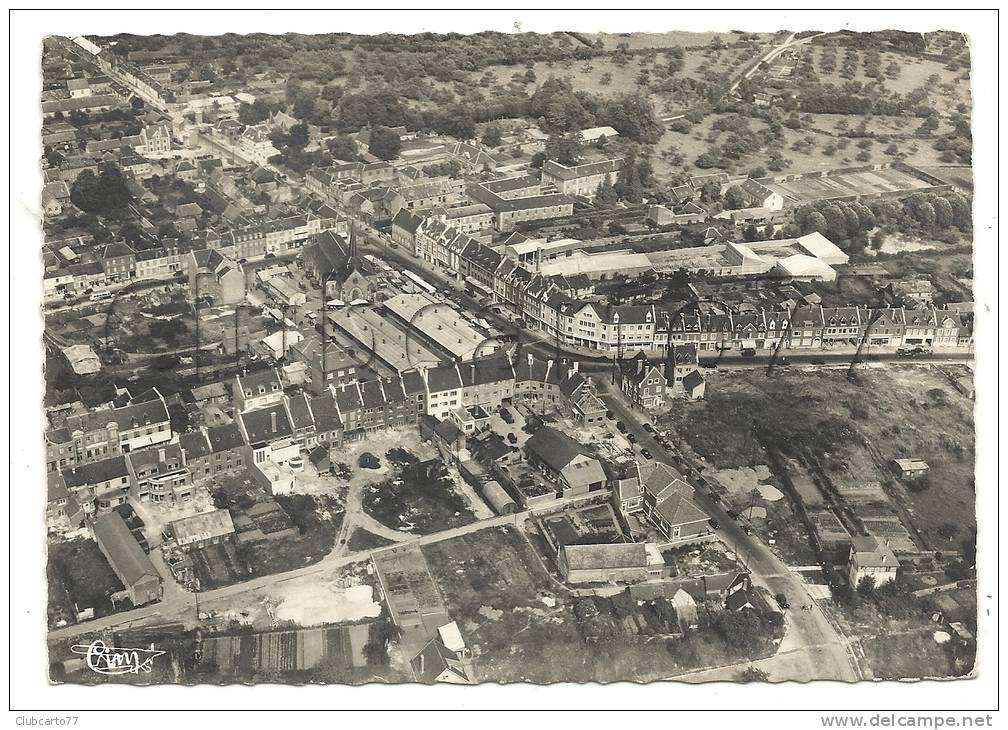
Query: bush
x=367, y=460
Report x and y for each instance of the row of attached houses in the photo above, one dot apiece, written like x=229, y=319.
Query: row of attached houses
x=557, y=305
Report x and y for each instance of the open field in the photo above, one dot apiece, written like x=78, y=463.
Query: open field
x=914, y=73
x=847, y=432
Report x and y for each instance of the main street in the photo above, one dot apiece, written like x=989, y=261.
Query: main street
x=815, y=650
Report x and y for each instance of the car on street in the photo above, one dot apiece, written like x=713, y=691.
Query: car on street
x=610, y=415
x=649, y=428
x=506, y=415
x=714, y=524
x=782, y=601
x=748, y=352
x=631, y=438
x=621, y=427
x=646, y=454
x=733, y=514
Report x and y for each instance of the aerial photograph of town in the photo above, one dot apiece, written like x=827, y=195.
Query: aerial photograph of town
x=508, y=357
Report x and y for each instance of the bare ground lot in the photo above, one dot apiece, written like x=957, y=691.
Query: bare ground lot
x=848, y=431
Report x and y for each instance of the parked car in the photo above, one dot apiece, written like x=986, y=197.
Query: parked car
x=733, y=514
x=649, y=428
x=782, y=601
x=620, y=426
x=610, y=415
x=714, y=524
x=506, y=415
x=911, y=351
x=748, y=352
x=512, y=439
x=631, y=438
x=645, y=453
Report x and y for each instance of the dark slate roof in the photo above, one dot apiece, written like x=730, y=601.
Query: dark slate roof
x=442, y=378
x=372, y=394
x=99, y=471
x=124, y=553
x=555, y=448
x=300, y=413
x=225, y=438
x=326, y=416
x=259, y=424
x=195, y=444
x=413, y=383
x=348, y=398
x=491, y=369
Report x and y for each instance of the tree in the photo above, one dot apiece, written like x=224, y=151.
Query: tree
x=605, y=196
x=866, y=586
x=254, y=113
x=492, y=136
x=384, y=144
x=751, y=233
x=297, y=137
x=633, y=116
x=342, y=147
x=735, y=198
x=563, y=148
x=753, y=674
x=102, y=194
x=605, y=79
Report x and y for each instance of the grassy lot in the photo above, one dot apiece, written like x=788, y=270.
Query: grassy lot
x=423, y=499
x=78, y=573
x=523, y=626
x=897, y=636
x=361, y=539
x=914, y=73
x=848, y=431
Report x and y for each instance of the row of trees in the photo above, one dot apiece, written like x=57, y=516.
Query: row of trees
x=847, y=223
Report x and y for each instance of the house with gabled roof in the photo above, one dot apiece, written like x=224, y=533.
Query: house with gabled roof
x=141, y=581
x=668, y=506
x=269, y=433
x=445, y=658
x=257, y=389
x=564, y=462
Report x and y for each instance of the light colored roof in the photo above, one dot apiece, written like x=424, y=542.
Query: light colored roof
x=799, y=265
x=594, y=557
x=593, y=133
x=816, y=244
x=204, y=526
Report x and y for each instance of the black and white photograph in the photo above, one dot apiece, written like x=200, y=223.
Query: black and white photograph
x=517, y=350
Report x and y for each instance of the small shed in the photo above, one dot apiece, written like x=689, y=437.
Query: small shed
x=910, y=468
x=501, y=502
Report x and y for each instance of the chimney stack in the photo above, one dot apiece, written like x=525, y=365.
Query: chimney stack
x=273, y=421
x=161, y=455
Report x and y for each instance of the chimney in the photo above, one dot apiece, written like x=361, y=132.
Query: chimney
x=161, y=454
x=273, y=422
